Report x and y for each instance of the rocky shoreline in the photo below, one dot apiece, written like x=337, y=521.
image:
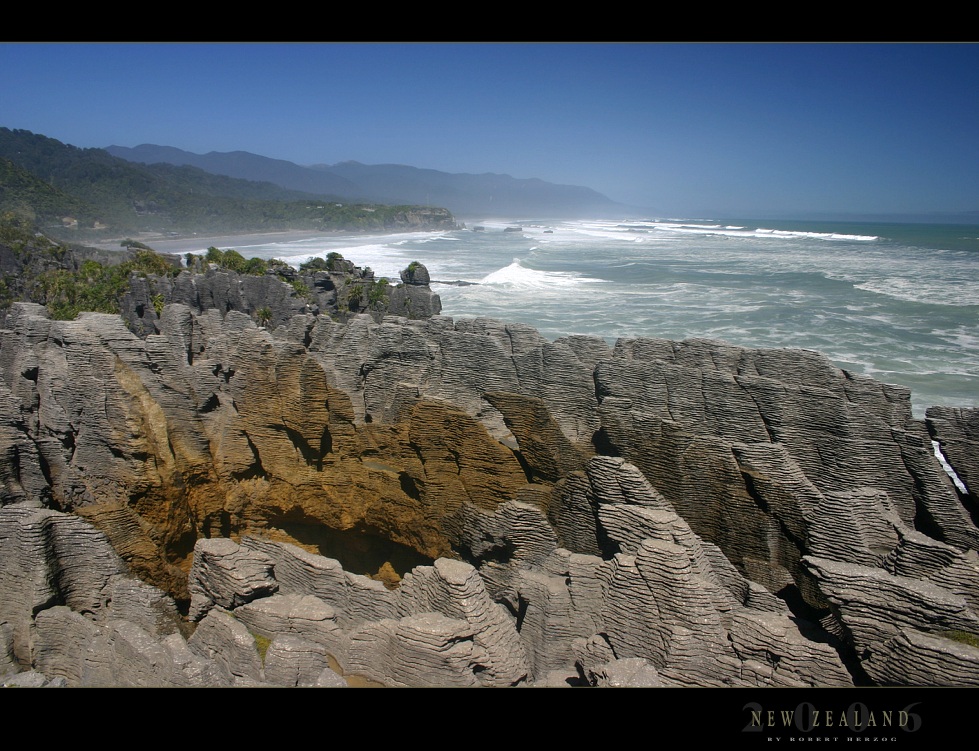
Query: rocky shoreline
x=413, y=500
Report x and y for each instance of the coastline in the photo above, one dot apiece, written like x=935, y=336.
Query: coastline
x=188, y=243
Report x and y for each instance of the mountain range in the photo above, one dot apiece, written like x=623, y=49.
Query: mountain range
x=463, y=194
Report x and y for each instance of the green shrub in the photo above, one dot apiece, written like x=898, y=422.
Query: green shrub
x=93, y=287
x=256, y=266
x=233, y=260
x=315, y=264
x=98, y=288
x=377, y=291
x=276, y=264
x=149, y=262
x=300, y=288
x=262, y=644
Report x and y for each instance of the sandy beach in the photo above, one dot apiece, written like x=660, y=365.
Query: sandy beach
x=193, y=243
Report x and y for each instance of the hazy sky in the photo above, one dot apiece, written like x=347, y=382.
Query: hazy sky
x=742, y=129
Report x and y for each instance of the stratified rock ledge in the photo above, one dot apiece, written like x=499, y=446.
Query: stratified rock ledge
x=510, y=511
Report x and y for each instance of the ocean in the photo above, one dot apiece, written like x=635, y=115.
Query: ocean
x=898, y=302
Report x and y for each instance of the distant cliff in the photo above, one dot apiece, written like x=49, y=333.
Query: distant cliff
x=463, y=194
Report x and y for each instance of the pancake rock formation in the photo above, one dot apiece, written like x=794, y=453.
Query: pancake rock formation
x=422, y=501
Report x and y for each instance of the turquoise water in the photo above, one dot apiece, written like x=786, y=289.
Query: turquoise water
x=899, y=302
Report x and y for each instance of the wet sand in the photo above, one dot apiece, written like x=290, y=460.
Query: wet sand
x=195, y=243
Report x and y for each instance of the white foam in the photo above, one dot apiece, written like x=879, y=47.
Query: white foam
x=610, y=229
x=384, y=260
x=948, y=467
x=818, y=235
x=964, y=340
x=917, y=289
x=427, y=238
x=520, y=277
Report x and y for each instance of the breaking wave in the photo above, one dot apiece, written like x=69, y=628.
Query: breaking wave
x=519, y=276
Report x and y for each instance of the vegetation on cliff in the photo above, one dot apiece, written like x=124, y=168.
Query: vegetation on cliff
x=138, y=282
x=66, y=278
x=95, y=286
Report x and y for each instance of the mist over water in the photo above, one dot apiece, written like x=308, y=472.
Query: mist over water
x=896, y=302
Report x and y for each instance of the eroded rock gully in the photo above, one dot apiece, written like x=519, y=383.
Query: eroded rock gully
x=556, y=512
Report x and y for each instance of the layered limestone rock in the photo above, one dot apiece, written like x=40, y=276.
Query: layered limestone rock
x=673, y=600
x=645, y=512
x=280, y=293
x=74, y=617
x=442, y=627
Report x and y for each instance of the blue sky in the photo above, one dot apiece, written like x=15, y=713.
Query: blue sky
x=683, y=129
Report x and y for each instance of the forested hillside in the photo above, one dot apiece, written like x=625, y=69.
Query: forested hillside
x=88, y=194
